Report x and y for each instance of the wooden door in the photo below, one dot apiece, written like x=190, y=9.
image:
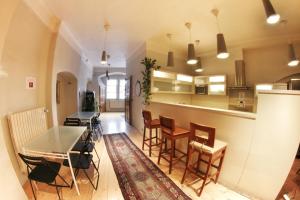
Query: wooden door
x=128, y=100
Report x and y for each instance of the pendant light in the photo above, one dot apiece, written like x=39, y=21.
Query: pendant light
x=108, y=66
x=170, y=60
x=293, y=60
x=191, y=58
x=272, y=16
x=198, y=67
x=222, y=52
x=104, y=55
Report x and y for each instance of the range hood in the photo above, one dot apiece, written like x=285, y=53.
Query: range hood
x=240, y=76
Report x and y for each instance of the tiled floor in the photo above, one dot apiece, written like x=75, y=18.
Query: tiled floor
x=108, y=185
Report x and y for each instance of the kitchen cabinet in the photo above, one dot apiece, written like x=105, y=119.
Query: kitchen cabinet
x=173, y=83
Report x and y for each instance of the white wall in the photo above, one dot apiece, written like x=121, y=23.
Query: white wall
x=19, y=62
x=27, y=47
x=134, y=69
x=66, y=59
x=274, y=144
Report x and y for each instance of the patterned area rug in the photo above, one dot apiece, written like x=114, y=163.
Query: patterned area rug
x=139, y=178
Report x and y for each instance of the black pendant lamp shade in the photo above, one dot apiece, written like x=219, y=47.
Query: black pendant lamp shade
x=191, y=58
x=221, y=46
x=272, y=16
x=293, y=60
x=198, y=67
x=106, y=74
x=103, y=58
x=170, y=61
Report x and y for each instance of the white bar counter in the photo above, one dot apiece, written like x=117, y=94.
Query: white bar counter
x=261, y=146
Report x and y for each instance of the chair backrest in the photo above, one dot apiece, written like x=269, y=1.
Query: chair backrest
x=211, y=133
x=167, y=124
x=32, y=161
x=72, y=122
x=89, y=137
x=147, y=117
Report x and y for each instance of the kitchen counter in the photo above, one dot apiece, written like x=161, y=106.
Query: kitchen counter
x=235, y=113
x=270, y=135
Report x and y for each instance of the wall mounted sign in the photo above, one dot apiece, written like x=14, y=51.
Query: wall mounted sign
x=30, y=83
x=138, y=88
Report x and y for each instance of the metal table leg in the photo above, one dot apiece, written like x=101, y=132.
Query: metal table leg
x=73, y=176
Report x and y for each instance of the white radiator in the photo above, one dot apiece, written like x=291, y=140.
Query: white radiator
x=24, y=126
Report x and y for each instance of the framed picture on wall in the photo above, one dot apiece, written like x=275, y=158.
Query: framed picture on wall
x=58, y=92
x=30, y=83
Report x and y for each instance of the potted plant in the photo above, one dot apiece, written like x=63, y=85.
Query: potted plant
x=150, y=64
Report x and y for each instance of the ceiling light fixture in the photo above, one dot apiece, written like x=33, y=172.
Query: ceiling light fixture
x=293, y=60
x=104, y=55
x=191, y=59
x=198, y=67
x=221, y=44
x=108, y=66
x=170, y=61
x=272, y=16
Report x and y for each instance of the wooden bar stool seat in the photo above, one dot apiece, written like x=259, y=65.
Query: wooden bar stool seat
x=170, y=132
x=150, y=124
x=209, y=152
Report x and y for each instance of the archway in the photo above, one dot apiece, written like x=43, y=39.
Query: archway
x=66, y=95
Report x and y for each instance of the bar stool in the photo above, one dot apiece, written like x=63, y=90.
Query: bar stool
x=170, y=132
x=150, y=124
x=206, y=147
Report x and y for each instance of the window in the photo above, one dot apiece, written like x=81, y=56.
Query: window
x=115, y=89
x=122, y=89
x=111, y=89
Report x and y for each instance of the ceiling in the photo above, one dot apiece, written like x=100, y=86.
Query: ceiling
x=136, y=21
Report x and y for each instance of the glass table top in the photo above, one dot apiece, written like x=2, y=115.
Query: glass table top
x=83, y=115
x=59, y=140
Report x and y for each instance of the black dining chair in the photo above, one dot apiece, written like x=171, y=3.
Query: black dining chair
x=83, y=161
x=96, y=127
x=86, y=145
x=41, y=170
x=72, y=122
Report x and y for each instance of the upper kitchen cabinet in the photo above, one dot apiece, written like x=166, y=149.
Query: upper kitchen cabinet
x=217, y=85
x=169, y=82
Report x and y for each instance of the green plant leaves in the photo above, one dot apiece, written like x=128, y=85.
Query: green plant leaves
x=149, y=64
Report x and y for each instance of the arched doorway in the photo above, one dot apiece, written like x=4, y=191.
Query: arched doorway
x=66, y=95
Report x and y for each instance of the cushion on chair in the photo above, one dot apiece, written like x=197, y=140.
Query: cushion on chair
x=177, y=131
x=79, y=161
x=200, y=147
x=155, y=122
x=42, y=173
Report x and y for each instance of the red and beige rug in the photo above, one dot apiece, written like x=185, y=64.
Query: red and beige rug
x=139, y=178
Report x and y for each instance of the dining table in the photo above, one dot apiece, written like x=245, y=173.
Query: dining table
x=56, y=143
x=83, y=116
